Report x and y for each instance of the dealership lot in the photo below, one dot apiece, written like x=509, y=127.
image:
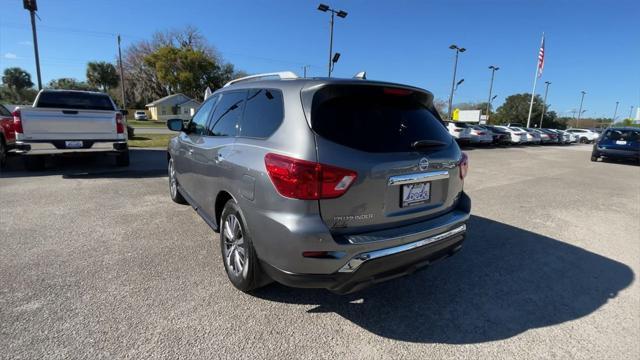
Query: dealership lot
x=97, y=262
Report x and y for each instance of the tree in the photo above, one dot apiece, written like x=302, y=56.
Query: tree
x=441, y=106
x=17, y=80
x=69, y=84
x=102, y=75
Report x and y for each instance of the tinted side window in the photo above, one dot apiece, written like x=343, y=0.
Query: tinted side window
x=198, y=124
x=4, y=111
x=263, y=113
x=227, y=114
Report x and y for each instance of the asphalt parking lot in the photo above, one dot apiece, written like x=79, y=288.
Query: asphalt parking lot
x=97, y=262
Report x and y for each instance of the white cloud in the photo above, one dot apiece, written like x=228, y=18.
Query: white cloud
x=10, y=56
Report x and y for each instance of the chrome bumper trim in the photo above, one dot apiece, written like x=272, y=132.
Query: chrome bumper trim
x=355, y=262
x=416, y=178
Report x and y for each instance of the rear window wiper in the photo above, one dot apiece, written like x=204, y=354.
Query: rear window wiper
x=424, y=144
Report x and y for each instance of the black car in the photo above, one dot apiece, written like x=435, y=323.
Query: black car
x=500, y=137
x=618, y=143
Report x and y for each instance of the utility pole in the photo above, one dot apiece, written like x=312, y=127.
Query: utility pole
x=124, y=100
x=493, y=72
x=544, y=103
x=580, y=111
x=615, y=112
x=630, y=112
x=32, y=6
x=453, y=82
x=341, y=14
x=304, y=70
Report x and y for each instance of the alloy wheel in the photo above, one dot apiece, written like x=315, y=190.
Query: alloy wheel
x=234, y=247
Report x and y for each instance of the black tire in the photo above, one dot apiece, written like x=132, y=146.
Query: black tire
x=594, y=158
x=246, y=275
x=3, y=153
x=34, y=162
x=583, y=140
x=173, y=185
x=122, y=159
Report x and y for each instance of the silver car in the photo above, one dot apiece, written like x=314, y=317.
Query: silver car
x=321, y=183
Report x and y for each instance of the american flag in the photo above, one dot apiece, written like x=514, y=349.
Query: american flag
x=541, y=58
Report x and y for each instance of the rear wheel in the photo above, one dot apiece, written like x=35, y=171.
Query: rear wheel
x=173, y=185
x=123, y=159
x=238, y=255
x=3, y=153
x=594, y=158
x=584, y=140
x=34, y=162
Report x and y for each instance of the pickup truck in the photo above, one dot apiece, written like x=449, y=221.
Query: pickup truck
x=67, y=121
x=7, y=135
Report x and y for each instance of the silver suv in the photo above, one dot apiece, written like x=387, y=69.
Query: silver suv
x=321, y=183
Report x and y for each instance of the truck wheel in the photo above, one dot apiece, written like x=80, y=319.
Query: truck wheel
x=3, y=153
x=34, y=162
x=238, y=255
x=123, y=159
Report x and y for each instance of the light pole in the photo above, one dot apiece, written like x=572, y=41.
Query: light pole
x=493, y=72
x=580, y=111
x=341, y=14
x=32, y=6
x=455, y=68
x=630, y=112
x=544, y=103
x=615, y=112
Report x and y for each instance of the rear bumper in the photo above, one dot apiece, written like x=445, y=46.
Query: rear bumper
x=617, y=154
x=398, y=261
x=58, y=147
x=365, y=259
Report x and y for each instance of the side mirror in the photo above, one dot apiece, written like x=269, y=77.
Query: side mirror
x=124, y=112
x=175, y=124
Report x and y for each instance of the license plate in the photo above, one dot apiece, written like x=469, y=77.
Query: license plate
x=414, y=194
x=621, y=142
x=73, y=144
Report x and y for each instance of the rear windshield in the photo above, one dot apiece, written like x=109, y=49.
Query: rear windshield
x=375, y=119
x=623, y=134
x=74, y=100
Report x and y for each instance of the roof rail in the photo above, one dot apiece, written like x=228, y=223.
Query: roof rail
x=281, y=75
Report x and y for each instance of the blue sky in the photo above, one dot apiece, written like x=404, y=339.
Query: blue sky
x=591, y=45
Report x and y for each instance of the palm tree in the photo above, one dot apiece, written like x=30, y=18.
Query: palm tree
x=17, y=80
x=102, y=75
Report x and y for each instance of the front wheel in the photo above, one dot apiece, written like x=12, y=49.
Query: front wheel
x=238, y=255
x=173, y=184
x=594, y=158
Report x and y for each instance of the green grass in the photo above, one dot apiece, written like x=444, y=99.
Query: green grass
x=150, y=140
x=146, y=123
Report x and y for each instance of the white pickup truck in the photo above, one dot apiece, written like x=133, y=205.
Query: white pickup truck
x=66, y=121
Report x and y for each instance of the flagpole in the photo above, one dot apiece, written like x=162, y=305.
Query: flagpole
x=535, y=81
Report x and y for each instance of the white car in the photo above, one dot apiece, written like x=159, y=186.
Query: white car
x=528, y=136
x=517, y=136
x=585, y=136
x=480, y=135
x=460, y=131
x=140, y=115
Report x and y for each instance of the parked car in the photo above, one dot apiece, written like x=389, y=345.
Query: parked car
x=620, y=143
x=530, y=138
x=140, y=115
x=554, y=136
x=585, y=136
x=7, y=134
x=69, y=121
x=516, y=136
x=544, y=137
x=480, y=136
x=285, y=209
x=460, y=131
x=567, y=137
x=500, y=136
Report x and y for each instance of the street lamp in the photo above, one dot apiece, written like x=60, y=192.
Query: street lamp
x=334, y=60
x=455, y=68
x=615, y=112
x=580, y=111
x=630, y=112
x=544, y=102
x=493, y=72
x=340, y=14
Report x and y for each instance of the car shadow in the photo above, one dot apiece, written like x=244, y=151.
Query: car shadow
x=505, y=281
x=145, y=163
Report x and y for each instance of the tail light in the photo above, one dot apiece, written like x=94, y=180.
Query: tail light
x=464, y=166
x=119, y=123
x=17, y=122
x=307, y=180
x=481, y=133
x=457, y=130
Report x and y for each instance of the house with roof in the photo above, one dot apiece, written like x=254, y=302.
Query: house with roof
x=173, y=106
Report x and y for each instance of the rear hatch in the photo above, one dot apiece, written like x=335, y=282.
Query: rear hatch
x=621, y=139
x=69, y=115
x=406, y=160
